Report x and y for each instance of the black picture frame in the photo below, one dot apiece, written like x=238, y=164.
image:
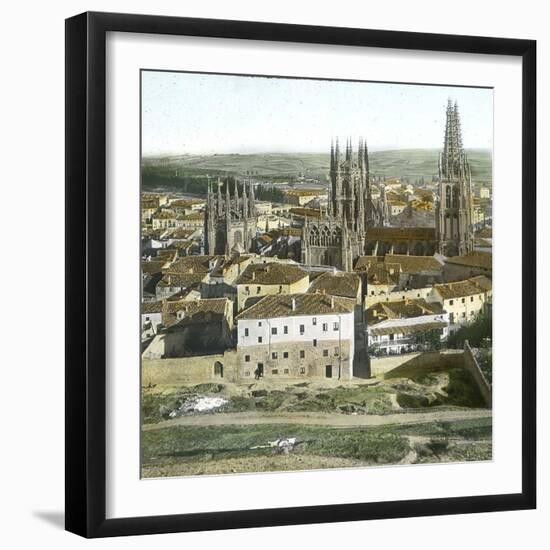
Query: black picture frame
x=86, y=276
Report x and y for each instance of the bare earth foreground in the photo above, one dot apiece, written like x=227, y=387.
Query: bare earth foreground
x=430, y=418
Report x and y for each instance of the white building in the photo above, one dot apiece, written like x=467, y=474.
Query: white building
x=297, y=335
x=464, y=300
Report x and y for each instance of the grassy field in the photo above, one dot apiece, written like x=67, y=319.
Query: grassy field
x=173, y=445
x=405, y=163
x=429, y=391
x=183, y=450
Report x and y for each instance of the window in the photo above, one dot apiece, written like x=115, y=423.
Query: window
x=260, y=339
x=247, y=373
x=302, y=329
x=314, y=321
x=336, y=326
x=259, y=323
x=274, y=371
x=285, y=354
x=314, y=343
x=286, y=371
x=451, y=302
x=471, y=298
x=247, y=358
x=146, y=318
x=246, y=332
x=247, y=289
x=258, y=289
x=325, y=327
x=302, y=354
x=285, y=329
x=336, y=352
x=273, y=330
x=463, y=300
x=274, y=355
x=325, y=353
x=392, y=336
x=302, y=370
x=280, y=288
x=463, y=314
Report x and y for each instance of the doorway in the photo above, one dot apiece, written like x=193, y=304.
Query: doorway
x=328, y=371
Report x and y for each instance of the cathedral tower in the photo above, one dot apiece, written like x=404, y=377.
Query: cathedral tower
x=454, y=230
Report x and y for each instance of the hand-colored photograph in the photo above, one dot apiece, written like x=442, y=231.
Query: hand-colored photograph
x=316, y=274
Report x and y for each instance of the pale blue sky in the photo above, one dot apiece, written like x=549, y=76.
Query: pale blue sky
x=190, y=113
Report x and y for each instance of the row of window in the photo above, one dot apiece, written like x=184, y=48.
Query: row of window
x=276, y=371
x=275, y=354
x=463, y=300
x=275, y=330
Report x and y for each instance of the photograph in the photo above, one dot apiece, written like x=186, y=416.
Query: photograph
x=316, y=274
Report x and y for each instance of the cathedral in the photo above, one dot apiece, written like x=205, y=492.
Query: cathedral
x=453, y=217
x=355, y=224
x=230, y=222
x=339, y=236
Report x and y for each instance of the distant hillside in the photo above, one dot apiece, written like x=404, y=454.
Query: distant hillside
x=411, y=164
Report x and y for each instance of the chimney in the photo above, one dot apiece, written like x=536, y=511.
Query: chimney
x=293, y=304
x=253, y=275
x=332, y=302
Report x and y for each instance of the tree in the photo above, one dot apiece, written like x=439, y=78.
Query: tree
x=479, y=331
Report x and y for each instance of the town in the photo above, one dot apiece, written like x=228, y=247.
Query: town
x=264, y=294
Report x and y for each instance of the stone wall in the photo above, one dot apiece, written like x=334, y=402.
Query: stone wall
x=187, y=370
x=327, y=353
x=472, y=366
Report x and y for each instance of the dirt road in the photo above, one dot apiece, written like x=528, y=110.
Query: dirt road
x=319, y=419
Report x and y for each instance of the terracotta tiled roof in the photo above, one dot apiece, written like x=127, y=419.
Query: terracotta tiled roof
x=401, y=310
x=154, y=266
x=473, y=259
x=281, y=305
x=271, y=274
x=199, y=311
x=193, y=264
x=468, y=287
x=151, y=307
x=414, y=264
x=182, y=280
x=339, y=283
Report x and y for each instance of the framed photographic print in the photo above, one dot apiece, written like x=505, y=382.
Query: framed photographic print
x=300, y=274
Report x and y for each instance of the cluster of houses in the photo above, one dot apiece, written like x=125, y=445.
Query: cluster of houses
x=279, y=318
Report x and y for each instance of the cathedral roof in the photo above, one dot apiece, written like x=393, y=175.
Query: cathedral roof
x=291, y=305
x=401, y=233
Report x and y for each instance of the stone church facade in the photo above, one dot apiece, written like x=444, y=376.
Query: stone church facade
x=338, y=237
x=230, y=222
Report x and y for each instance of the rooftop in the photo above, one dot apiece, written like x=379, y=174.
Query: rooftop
x=198, y=311
x=292, y=305
x=184, y=280
x=194, y=264
x=272, y=273
x=414, y=264
x=401, y=310
x=401, y=233
x=468, y=287
x=483, y=260
x=339, y=283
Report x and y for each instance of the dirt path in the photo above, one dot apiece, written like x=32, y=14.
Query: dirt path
x=319, y=419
